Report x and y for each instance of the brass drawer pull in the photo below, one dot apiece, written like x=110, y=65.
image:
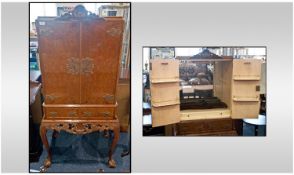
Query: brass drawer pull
x=105, y=114
x=87, y=114
x=108, y=97
x=114, y=31
x=72, y=114
x=53, y=114
x=50, y=97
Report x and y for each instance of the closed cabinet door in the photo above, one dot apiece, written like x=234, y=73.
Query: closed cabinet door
x=59, y=48
x=246, y=88
x=101, y=42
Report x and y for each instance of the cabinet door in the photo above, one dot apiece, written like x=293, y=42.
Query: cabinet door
x=165, y=115
x=164, y=76
x=165, y=94
x=246, y=88
x=101, y=43
x=164, y=70
x=59, y=50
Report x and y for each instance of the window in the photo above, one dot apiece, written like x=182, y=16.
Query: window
x=112, y=13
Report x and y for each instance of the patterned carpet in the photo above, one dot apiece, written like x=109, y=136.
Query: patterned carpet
x=84, y=153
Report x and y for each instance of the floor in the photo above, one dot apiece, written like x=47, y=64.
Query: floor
x=84, y=153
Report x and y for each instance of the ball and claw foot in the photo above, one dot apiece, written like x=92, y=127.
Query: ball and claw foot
x=111, y=163
x=47, y=164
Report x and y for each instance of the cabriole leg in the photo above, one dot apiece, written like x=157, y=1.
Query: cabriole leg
x=47, y=162
x=111, y=162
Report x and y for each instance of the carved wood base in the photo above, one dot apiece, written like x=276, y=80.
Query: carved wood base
x=79, y=127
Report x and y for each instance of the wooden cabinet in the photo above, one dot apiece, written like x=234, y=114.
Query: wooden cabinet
x=80, y=59
x=236, y=83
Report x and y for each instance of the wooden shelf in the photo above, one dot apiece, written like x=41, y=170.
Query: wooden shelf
x=209, y=60
x=170, y=80
x=246, y=99
x=166, y=103
x=247, y=78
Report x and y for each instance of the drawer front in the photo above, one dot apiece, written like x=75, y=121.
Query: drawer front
x=245, y=109
x=97, y=113
x=164, y=69
x=204, y=126
x=164, y=94
x=103, y=113
x=60, y=112
x=246, y=69
x=165, y=115
x=205, y=114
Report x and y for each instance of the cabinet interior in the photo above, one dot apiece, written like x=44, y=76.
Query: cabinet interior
x=205, y=85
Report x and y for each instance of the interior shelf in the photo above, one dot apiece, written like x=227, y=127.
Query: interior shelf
x=246, y=78
x=245, y=99
x=167, y=103
x=167, y=80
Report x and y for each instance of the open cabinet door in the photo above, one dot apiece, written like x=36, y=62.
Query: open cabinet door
x=164, y=86
x=246, y=88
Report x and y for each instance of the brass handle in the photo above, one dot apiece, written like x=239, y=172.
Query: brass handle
x=76, y=66
x=114, y=31
x=50, y=97
x=73, y=66
x=87, y=66
x=247, y=62
x=105, y=114
x=164, y=63
x=87, y=114
x=108, y=97
x=53, y=114
x=72, y=114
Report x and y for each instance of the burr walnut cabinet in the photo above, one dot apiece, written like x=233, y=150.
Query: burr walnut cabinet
x=80, y=58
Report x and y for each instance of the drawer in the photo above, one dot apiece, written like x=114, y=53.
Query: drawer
x=246, y=89
x=245, y=109
x=94, y=97
x=164, y=70
x=105, y=113
x=61, y=112
x=200, y=114
x=165, y=94
x=165, y=115
x=246, y=69
x=204, y=126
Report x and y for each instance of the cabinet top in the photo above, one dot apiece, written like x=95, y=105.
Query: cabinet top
x=78, y=14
